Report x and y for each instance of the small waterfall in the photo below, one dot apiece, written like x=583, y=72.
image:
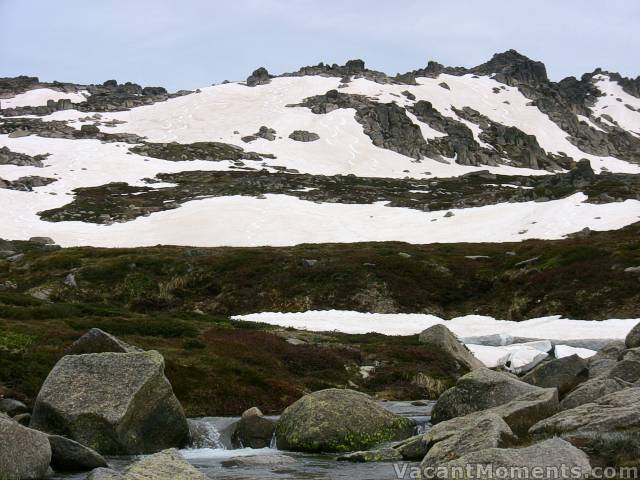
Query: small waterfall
x=204, y=434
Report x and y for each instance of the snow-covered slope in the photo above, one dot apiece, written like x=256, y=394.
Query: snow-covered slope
x=39, y=97
x=352, y=141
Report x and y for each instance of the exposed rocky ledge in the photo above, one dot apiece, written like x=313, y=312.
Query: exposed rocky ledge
x=120, y=202
x=26, y=184
x=389, y=126
x=108, y=97
x=7, y=157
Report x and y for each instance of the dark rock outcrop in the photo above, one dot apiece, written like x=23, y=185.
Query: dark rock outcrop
x=304, y=136
x=259, y=76
x=7, y=157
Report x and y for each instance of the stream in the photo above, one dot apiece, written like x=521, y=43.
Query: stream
x=308, y=466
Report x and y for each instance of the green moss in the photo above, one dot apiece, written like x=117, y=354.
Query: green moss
x=13, y=341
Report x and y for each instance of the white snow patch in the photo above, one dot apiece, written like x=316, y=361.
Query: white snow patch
x=609, y=104
x=561, y=351
x=39, y=96
x=517, y=358
x=544, y=328
x=281, y=220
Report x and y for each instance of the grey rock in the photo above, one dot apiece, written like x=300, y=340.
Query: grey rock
x=259, y=76
x=627, y=370
x=23, y=419
x=336, y=420
x=606, y=429
x=633, y=337
x=12, y=407
x=413, y=448
x=25, y=454
x=114, y=403
x=631, y=354
x=19, y=133
x=449, y=350
x=478, y=390
x=304, y=136
x=104, y=474
x=607, y=357
x=165, y=465
x=253, y=431
x=70, y=281
x=526, y=410
x=42, y=240
x=67, y=455
x=387, y=454
x=555, y=454
x=91, y=129
x=592, y=390
x=561, y=373
x=15, y=258
x=459, y=436
x=99, y=341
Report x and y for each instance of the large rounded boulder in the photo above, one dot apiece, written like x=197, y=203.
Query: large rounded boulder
x=114, y=403
x=336, y=420
x=632, y=339
x=25, y=454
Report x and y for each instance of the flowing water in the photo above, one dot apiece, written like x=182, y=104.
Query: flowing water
x=209, y=455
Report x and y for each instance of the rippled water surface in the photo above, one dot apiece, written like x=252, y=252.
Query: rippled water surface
x=209, y=460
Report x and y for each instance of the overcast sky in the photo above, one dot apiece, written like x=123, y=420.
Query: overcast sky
x=192, y=43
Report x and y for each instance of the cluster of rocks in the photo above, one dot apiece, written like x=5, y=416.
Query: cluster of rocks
x=260, y=76
x=12, y=86
x=108, y=97
x=389, y=127
x=566, y=411
x=22, y=127
x=210, y=151
x=562, y=101
x=104, y=397
x=263, y=132
x=7, y=157
x=123, y=202
x=355, y=68
x=304, y=136
x=387, y=124
x=26, y=184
